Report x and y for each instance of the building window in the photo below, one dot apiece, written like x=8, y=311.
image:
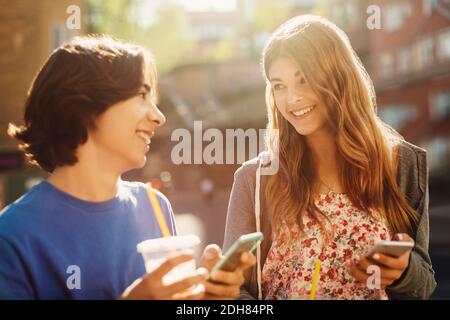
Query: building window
x=440, y=105
x=439, y=153
x=58, y=35
x=303, y=3
x=404, y=59
x=345, y=14
x=387, y=64
x=395, y=15
x=429, y=6
x=444, y=45
x=425, y=52
x=398, y=116
x=211, y=32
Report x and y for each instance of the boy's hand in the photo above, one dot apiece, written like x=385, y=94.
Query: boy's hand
x=391, y=268
x=151, y=286
x=227, y=284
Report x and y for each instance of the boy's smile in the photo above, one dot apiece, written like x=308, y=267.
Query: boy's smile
x=124, y=132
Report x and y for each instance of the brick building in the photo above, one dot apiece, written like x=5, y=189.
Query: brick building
x=411, y=73
x=29, y=31
x=223, y=96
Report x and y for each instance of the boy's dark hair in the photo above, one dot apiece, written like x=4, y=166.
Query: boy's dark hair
x=79, y=81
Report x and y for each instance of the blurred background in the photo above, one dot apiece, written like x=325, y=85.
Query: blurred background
x=208, y=55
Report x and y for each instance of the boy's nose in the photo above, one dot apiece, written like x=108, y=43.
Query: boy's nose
x=155, y=115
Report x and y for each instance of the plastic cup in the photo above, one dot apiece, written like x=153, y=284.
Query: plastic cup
x=157, y=251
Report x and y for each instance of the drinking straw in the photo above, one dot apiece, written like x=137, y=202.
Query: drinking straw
x=312, y=293
x=158, y=212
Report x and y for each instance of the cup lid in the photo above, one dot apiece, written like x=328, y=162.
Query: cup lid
x=168, y=243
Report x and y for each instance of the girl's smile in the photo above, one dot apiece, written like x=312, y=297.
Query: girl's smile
x=302, y=113
x=294, y=98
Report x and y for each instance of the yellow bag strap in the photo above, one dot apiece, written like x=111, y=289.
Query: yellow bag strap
x=158, y=212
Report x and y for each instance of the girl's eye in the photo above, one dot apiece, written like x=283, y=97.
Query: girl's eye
x=144, y=95
x=278, y=86
x=302, y=80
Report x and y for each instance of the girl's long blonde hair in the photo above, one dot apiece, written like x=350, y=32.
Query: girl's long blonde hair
x=364, y=143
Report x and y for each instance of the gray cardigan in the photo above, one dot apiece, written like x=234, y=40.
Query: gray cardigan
x=412, y=176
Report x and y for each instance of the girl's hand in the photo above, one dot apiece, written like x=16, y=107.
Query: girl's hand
x=391, y=268
x=226, y=285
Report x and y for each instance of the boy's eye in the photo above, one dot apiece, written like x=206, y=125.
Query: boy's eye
x=302, y=80
x=143, y=95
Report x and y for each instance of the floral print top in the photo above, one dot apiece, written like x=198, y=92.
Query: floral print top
x=290, y=263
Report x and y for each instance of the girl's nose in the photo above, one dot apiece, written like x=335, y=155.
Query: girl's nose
x=294, y=98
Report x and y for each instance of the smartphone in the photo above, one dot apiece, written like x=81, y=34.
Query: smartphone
x=391, y=248
x=231, y=259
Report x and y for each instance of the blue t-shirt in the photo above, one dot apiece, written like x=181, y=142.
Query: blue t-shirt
x=56, y=246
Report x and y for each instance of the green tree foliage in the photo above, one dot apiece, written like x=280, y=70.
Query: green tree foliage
x=269, y=14
x=113, y=17
x=167, y=37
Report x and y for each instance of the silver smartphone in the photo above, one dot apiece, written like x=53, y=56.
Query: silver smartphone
x=232, y=257
x=391, y=248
